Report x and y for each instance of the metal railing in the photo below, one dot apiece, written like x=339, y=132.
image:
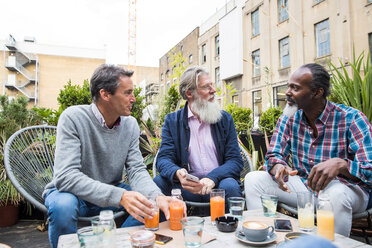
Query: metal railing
x=22, y=70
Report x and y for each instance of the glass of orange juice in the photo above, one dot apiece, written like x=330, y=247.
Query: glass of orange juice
x=152, y=224
x=305, y=207
x=217, y=202
x=325, y=218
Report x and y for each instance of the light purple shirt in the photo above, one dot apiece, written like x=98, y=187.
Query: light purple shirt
x=202, y=151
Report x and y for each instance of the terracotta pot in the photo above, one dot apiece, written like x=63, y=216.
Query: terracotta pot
x=8, y=215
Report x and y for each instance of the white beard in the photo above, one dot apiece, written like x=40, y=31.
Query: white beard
x=290, y=110
x=208, y=112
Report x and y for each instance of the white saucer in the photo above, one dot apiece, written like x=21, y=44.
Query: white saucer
x=240, y=236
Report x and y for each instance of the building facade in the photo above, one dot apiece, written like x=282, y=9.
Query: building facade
x=49, y=68
x=256, y=44
x=280, y=36
x=188, y=49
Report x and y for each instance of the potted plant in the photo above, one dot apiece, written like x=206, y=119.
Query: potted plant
x=243, y=121
x=353, y=90
x=14, y=116
x=267, y=123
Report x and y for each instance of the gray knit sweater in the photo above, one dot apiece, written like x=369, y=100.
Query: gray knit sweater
x=90, y=159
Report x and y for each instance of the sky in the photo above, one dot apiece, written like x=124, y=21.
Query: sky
x=161, y=24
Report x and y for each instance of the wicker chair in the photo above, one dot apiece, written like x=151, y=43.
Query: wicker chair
x=247, y=167
x=28, y=159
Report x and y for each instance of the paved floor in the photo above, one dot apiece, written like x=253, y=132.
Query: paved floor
x=24, y=234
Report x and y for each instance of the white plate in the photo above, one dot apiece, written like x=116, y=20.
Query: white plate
x=243, y=239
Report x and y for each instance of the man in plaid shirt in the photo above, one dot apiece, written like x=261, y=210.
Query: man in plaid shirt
x=331, y=148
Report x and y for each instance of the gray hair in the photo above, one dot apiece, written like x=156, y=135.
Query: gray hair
x=190, y=79
x=107, y=77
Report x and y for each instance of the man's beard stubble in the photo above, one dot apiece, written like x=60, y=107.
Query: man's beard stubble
x=208, y=112
x=290, y=110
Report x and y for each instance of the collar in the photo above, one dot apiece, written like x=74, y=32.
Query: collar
x=190, y=114
x=326, y=112
x=100, y=117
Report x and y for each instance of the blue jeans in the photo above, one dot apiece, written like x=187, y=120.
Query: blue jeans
x=230, y=185
x=65, y=208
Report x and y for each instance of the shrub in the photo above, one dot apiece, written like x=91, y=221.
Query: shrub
x=138, y=106
x=74, y=95
x=241, y=116
x=354, y=91
x=268, y=119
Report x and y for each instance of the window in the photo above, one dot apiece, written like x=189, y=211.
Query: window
x=204, y=54
x=282, y=10
x=190, y=59
x=284, y=52
x=217, y=77
x=181, y=49
x=256, y=63
x=168, y=86
x=370, y=44
x=217, y=44
x=162, y=77
x=168, y=73
x=257, y=106
x=255, y=23
x=235, y=100
x=322, y=38
x=279, y=96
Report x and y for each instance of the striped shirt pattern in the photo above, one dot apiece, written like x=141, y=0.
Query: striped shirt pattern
x=343, y=132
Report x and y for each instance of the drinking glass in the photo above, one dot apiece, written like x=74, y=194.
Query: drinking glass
x=90, y=237
x=192, y=231
x=236, y=206
x=217, y=204
x=305, y=208
x=269, y=203
x=152, y=224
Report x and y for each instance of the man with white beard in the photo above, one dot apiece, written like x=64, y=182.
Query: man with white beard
x=331, y=148
x=200, y=140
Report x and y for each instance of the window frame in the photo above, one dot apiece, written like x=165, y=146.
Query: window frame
x=256, y=68
x=277, y=99
x=323, y=48
x=217, y=45
x=255, y=20
x=190, y=59
x=281, y=16
x=288, y=55
x=256, y=106
x=204, y=53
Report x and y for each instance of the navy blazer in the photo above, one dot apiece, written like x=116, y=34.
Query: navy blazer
x=173, y=152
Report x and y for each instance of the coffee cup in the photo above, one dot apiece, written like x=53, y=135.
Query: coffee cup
x=257, y=231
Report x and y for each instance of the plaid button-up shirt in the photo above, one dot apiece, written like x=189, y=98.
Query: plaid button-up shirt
x=343, y=132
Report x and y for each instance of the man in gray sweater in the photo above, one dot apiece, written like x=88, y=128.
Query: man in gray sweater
x=95, y=144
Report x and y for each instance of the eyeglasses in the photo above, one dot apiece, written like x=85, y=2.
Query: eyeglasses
x=208, y=87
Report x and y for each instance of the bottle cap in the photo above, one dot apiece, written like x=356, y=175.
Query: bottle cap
x=176, y=191
x=142, y=237
x=106, y=215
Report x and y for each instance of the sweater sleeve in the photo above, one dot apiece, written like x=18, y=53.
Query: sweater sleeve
x=138, y=176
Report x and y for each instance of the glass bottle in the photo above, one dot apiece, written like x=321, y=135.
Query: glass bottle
x=325, y=217
x=176, y=210
x=106, y=220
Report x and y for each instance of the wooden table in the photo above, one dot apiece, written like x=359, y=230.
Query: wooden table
x=223, y=240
